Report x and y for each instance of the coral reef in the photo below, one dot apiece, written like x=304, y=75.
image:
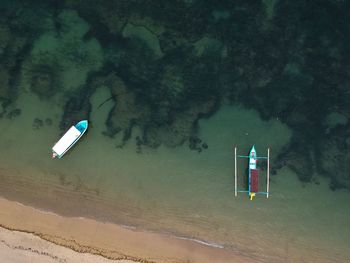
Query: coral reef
x=335, y=158
x=144, y=34
x=210, y=55
x=77, y=108
x=14, y=45
x=171, y=40
x=45, y=77
x=5, y=92
x=169, y=63
x=170, y=129
x=126, y=113
x=61, y=61
x=48, y=121
x=182, y=128
x=13, y=114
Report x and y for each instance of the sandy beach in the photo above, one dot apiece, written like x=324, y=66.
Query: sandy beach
x=96, y=238
x=23, y=247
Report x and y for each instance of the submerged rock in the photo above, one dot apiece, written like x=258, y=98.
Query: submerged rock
x=298, y=155
x=5, y=92
x=14, y=45
x=37, y=123
x=144, y=34
x=77, y=108
x=126, y=112
x=61, y=61
x=194, y=144
x=13, y=114
x=334, y=119
x=182, y=128
x=335, y=159
x=45, y=80
x=48, y=121
x=5, y=37
x=170, y=40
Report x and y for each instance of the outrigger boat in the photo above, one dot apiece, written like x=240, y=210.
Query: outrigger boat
x=253, y=173
x=69, y=139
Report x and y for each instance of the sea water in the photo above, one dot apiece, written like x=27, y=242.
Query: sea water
x=170, y=190
x=175, y=190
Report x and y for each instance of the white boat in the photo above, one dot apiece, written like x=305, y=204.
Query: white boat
x=69, y=139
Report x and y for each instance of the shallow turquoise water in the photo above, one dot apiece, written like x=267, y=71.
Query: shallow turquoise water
x=176, y=190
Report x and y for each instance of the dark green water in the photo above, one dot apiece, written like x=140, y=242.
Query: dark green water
x=169, y=88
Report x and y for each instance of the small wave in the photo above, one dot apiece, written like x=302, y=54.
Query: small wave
x=210, y=244
x=127, y=226
x=130, y=227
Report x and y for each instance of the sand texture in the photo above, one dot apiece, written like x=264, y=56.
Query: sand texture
x=20, y=247
x=93, y=237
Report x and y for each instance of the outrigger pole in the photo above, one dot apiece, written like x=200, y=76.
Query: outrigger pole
x=235, y=171
x=268, y=173
x=253, y=173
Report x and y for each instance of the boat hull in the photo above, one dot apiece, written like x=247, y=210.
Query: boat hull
x=253, y=172
x=70, y=138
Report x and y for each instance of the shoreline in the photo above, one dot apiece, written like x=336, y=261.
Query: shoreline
x=109, y=240
x=127, y=227
x=20, y=247
x=178, y=246
x=45, y=207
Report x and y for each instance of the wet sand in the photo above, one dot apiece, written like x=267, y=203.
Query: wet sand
x=20, y=247
x=97, y=238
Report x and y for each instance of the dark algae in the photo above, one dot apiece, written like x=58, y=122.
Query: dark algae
x=168, y=64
